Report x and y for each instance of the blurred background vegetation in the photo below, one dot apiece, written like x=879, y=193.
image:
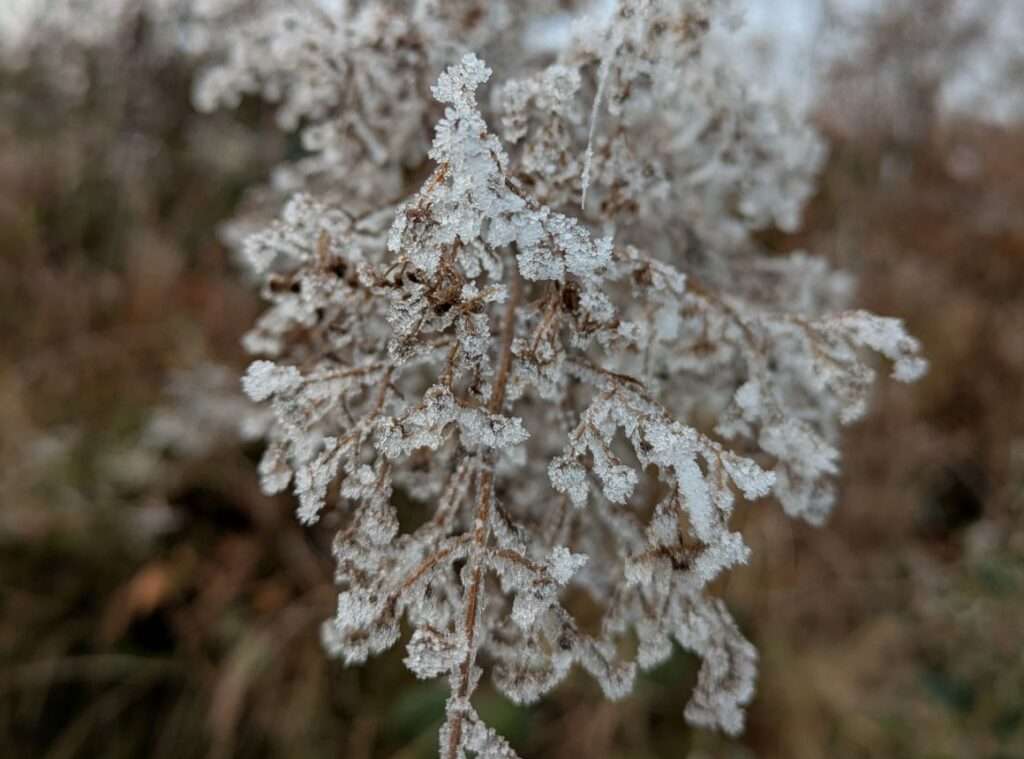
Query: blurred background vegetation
x=156, y=604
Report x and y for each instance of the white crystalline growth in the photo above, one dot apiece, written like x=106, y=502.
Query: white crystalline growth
x=453, y=331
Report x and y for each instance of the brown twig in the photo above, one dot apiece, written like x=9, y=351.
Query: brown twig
x=485, y=503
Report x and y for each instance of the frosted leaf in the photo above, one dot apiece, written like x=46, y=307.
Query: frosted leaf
x=748, y=398
x=453, y=343
x=753, y=481
x=430, y=653
x=487, y=744
x=423, y=427
x=458, y=83
x=265, y=378
x=474, y=335
x=363, y=609
x=398, y=228
x=363, y=625
x=654, y=647
x=304, y=226
x=725, y=683
x=795, y=441
x=525, y=674
x=527, y=606
x=275, y=472
x=888, y=337
x=570, y=478
x=370, y=488
x=563, y=564
x=805, y=461
x=617, y=482
x=313, y=478
x=482, y=430
x=615, y=678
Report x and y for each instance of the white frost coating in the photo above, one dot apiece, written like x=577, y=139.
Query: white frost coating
x=563, y=564
x=313, y=479
x=265, y=378
x=429, y=653
x=449, y=324
x=888, y=337
x=725, y=683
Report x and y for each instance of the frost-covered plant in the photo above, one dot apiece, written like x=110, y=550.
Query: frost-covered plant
x=546, y=342
x=541, y=313
x=902, y=65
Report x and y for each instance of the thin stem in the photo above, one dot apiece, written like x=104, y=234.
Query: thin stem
x=482, y=523
x=507, y=334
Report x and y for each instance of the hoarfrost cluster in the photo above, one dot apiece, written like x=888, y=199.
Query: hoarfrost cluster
x=527, y=295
